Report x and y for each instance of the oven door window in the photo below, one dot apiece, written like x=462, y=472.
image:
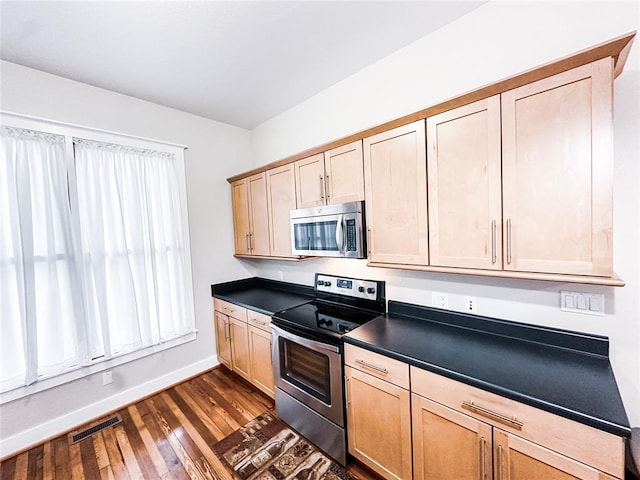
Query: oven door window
x=319, y=236
x=306, y=369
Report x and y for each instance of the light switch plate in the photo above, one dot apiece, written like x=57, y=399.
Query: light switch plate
x=580, y=302
x=439, y=300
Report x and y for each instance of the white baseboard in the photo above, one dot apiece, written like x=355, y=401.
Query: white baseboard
x=35, y=435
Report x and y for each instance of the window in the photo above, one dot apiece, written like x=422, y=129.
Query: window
x=94, y=257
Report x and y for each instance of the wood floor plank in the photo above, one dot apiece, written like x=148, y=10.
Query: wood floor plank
x=176, y=470
x=138, y=448
x=48, y=471
x=89, y=458
x=34, y=463
x=116, y=460
x=169, y=436
x=198, y=433
x=61, y=457
x=148, y=444
x=75, y=462
x=8, y=468
x=186, y=451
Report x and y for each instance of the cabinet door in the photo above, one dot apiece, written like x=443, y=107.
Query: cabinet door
x=519, y=459
x=281, y=197
x=223, y=339
x=261, y=366
x=310, y=184
x=240, y=348
x=379, y=424
x=344, y=174
x=557, y=172
x=465, y=189
x=395, y=172
x=448, y=444
x=241, y=224
x=259, y=215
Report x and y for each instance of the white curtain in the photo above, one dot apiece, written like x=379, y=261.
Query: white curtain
x=40, y=292
x=130, y=221
x=92, y=253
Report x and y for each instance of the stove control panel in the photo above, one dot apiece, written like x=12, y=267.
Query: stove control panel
x=352, y=287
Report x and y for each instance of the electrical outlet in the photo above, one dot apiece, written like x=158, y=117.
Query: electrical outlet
x=471, y=304
x=439, y=300
x=107, y=378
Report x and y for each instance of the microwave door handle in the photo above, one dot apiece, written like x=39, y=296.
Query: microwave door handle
x=339, y=234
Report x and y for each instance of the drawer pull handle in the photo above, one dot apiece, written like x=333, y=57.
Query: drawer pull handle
x=258, y=321
x=510, y=421
x=499, y=462
x=372, y=367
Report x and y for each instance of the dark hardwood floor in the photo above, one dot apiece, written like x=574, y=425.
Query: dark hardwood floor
x=168, y=435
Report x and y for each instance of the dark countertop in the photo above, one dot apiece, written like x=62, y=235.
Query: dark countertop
x=562, y=372
x=263, y=295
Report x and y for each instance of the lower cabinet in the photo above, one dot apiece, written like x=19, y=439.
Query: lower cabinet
x=378, y=413
x=243, y=343
x=439, y=429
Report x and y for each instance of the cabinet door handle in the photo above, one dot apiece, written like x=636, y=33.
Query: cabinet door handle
x=346, y=390
x=322, y=188
x=250, y=242
x=246, y=237
x=508, y=240
x=499, y=462
x=483, y=459
x=227, y=331
x=372, y=367
x=498, y=417
x=494, y=253
x=369, y=241
x=326, y=187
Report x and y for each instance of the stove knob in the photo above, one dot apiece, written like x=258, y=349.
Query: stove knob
x=320, y=282
x=371, y=290
x=328, y=323
x=327, y=283
x=321, y=321
x=361, y=289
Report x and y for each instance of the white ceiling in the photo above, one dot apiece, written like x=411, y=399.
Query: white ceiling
x=238, y=62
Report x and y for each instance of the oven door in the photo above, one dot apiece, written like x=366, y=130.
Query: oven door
x=310, y=371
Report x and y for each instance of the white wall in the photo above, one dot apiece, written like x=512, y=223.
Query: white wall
x=495, y=41
x=215, y=152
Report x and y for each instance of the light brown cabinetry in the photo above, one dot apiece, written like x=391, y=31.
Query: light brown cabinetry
x=335, y=176
x=526, y=442
x=260, y=352
x=465, y=188
x=223, y=338
x=243, y=342
x=378, y=412
x=281, y=199
x=558, y=172
x=395, y=172
x=250, y=215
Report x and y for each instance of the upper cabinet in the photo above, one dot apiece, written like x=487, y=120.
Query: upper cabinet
x=465, y=188
x=514, y=179
x=558, y=172
x=281, y=199
x=334, y=176
x=250, y=215
x=396, y=195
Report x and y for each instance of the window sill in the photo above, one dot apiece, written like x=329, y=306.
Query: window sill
x=81, y=372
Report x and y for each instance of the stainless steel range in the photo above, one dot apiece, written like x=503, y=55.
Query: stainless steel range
x=307, y=357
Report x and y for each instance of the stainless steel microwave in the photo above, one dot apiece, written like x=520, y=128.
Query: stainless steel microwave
x=329, y=231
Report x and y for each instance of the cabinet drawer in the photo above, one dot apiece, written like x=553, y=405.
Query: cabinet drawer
x=602, y=450
x=377, y=365
x=230, y=309
x=259, y=320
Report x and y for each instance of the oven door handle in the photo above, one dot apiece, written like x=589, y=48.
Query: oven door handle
x=305, y=342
